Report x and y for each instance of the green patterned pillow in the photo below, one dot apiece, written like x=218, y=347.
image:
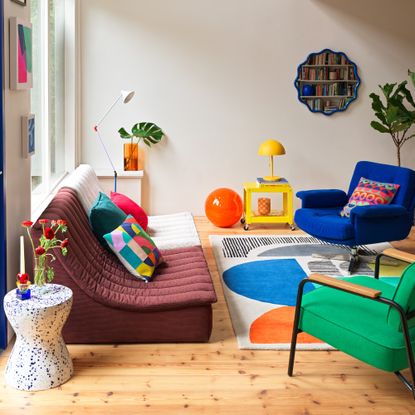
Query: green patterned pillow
x=134, y=248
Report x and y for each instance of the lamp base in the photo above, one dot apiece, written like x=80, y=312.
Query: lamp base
x=272, y=178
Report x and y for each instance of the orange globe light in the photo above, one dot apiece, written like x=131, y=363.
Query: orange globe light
x=223, y=207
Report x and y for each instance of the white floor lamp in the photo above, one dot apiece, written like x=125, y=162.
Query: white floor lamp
x=126, y=97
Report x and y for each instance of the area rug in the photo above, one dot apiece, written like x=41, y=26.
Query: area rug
x=260, y=276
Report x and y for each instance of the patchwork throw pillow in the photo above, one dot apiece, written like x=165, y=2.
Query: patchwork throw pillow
x=134, y=248
x=104, y=217
x=370, y=192
x=129, y=207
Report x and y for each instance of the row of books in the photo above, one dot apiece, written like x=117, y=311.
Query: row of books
x=337, y=88
x=325, y=105
x=328, y=58
x=327, y=74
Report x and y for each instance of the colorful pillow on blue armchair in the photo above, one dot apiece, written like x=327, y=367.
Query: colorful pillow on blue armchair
x=369, y=192
x=134, y=248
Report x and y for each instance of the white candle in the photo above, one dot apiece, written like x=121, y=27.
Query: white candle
x=22, y=262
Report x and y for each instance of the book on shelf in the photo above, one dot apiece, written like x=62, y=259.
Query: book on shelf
x=261, y=181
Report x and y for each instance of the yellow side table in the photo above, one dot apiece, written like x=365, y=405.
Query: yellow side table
x=287, y=215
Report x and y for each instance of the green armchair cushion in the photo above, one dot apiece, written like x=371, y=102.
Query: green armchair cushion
x=356, y=325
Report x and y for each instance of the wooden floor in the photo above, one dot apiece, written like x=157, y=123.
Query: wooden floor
x=213, y=378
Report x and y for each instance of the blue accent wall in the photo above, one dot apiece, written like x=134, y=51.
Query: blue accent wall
x=3, y=274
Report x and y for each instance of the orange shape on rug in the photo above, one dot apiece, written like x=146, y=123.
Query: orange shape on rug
x=276, y=326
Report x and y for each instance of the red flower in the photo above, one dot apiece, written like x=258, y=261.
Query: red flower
x=61, y=222
x=43, y=221
x=23, y=278
x=40, y=250
x=27, y=224
x=49, y=233
x=65, y=243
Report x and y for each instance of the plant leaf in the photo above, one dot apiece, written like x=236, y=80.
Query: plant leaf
x=149, y=132
x=412, y=76
x=387, y=89
x=379, y=127
x=123, y=133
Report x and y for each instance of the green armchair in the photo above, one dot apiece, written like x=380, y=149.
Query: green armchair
x=364, y=317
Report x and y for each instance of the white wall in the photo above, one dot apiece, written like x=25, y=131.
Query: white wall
x=16, y=169
x=218, y=76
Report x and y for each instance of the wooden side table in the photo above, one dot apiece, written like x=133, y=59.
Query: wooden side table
x=39, y=359
x=287, y=215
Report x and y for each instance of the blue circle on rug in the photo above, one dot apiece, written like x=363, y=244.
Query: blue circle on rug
x=272, y=281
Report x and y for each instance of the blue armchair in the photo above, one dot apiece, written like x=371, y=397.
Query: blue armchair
x=320, y=212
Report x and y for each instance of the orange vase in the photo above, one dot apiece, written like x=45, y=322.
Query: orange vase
x=130, y=156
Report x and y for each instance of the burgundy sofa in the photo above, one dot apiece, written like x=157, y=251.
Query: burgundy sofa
x=112, y=306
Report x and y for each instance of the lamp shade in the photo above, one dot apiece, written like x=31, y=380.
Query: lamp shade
x=271, y=148
x=127, y=96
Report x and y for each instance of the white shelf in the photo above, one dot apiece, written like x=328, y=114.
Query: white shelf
x=105, y=173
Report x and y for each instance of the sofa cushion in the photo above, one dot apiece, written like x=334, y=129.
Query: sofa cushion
x=325, y=223
x=129, y=207
x=85, y=182
x=134, y=248
x=104, y=217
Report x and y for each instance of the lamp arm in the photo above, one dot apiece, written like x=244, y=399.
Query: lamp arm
x=108, y=157
x=107, y=112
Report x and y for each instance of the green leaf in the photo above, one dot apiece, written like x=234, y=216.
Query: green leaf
x=123, y=133
x=412, y=76
x=387, y=89
x=379, y=127
x=50, y=274
x=149, y=132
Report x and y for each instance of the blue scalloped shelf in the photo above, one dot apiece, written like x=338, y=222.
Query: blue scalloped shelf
x=327, y=96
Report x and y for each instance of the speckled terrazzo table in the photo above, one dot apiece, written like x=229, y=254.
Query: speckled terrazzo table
x=39, y=359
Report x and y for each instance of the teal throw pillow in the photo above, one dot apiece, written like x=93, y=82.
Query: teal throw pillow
x=104, y=217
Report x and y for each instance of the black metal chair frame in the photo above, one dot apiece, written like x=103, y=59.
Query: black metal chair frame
x=405, y=317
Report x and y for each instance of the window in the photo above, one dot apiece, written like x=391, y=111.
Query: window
x=48, y=95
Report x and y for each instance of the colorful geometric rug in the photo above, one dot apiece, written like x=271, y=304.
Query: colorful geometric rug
x=260, y=276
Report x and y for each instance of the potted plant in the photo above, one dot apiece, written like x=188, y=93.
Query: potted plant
x=147, y=132
x=51, y=240
x=396, y=114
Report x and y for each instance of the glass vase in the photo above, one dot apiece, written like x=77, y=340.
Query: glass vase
x=130, y=156
x=40, y=276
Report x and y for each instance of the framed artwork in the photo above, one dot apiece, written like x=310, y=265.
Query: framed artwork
x=28, y=135
x=21, y=76
x=21, y=2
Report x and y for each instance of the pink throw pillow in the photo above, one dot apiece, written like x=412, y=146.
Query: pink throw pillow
x=129, y=207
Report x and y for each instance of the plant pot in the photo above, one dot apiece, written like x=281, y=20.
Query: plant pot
x=130, y=156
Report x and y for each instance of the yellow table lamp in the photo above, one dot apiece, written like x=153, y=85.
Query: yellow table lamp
x=271, y=148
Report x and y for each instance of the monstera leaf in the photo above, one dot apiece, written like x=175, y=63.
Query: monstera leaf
x=149, y=132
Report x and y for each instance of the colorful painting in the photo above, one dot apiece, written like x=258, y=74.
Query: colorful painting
x=21, y=71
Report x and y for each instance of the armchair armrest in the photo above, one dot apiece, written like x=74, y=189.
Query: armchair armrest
x=377, y=211
x=345, y=286
x=398, y=254
x=323, y=198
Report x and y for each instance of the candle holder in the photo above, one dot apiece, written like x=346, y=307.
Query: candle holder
x=23, y=291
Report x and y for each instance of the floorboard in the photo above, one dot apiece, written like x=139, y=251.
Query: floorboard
x=214, y=378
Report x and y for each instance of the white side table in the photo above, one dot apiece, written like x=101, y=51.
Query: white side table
x=39, y=359
x=129, y=183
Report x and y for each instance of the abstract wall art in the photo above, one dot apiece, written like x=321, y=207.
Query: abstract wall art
x=28, y=135
x=21, y=71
